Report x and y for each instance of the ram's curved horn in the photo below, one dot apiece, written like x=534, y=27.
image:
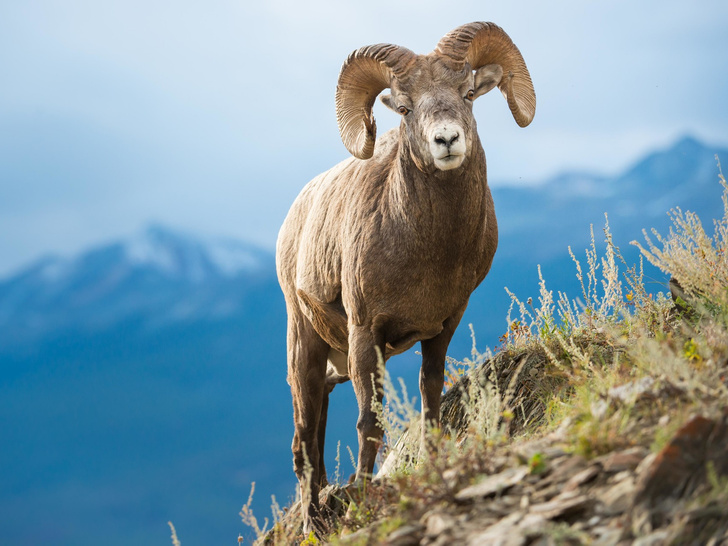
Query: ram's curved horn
x=479, y=44
x=363, y=76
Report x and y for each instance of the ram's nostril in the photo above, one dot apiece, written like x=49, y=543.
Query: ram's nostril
x=446, y=139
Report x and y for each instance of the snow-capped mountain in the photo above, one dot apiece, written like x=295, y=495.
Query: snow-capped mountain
x=173, y=254
x=156, y=277
x=192, y=258
x=561, y=209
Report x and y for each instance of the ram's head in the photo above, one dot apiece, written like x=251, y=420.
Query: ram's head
x=434, y=93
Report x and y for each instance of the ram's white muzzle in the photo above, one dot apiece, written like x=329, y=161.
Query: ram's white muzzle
x=447, y=145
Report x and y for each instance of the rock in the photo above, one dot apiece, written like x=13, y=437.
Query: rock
x=599, y=409
x=403, y=453
x=519, y=374
x=606, y=536
x=645, y=464
x=618, y=498
x=451, y=475
x=543, y=494
x=630, y=392
x=358, y=537
x=437, y=523
x=503, y=505
x=679, y=469
x=593, y=521
x=524, y=503
x=627, y=459
x=533, y=524
x=540, y=447
x=644, y=389
x=654, y=539
x=503, y=533
x=442, y=540
x=407, y=535
x=683, y=302
x=580, y=478
x=698, y=442
x=565, y=468
x=704, y=525
x=497, y=483
x=562, y=505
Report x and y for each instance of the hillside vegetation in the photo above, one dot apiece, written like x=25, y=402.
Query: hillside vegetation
x=602, y=419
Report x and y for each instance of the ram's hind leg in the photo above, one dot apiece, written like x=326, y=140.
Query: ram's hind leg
x=323, y=480
x=307, y=354
x=336, y=373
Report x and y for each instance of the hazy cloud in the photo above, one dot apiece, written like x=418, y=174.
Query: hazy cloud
x=212, y=116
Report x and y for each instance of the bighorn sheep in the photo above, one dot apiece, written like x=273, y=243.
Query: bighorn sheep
x=384, y=249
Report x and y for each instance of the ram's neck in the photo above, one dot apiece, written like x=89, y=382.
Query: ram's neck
x=428, y=200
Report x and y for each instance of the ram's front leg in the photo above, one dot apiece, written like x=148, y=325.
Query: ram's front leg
x=432, y=377
x=365, y=373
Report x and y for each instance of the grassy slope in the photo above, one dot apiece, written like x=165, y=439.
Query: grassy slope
x=602, y=419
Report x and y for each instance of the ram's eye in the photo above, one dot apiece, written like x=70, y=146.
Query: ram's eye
x=403, y=110
x=470, y=95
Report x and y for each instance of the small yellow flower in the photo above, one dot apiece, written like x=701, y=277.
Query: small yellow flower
x=690, y=351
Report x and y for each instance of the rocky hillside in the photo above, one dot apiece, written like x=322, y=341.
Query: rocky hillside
x=600, y=421
x=143, y=379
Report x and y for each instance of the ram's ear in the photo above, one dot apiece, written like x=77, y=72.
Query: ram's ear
x=388, y=101
x=486, y=78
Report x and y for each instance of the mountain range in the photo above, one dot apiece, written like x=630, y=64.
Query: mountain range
x=144, y=380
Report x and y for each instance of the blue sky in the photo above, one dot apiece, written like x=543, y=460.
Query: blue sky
x=211, y=116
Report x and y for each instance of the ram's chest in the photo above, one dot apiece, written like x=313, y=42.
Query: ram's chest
x=416, y=279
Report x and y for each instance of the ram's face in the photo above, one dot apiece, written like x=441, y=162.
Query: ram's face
x=436, y=105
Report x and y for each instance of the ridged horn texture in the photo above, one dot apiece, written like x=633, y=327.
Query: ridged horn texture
x=364, y=75
x=486, y=43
